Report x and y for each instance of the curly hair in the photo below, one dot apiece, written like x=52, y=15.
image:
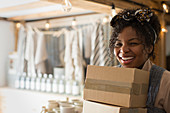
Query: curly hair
x=147, y=27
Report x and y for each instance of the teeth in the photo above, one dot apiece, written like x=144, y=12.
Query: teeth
x=120, y=54
x=127, y=58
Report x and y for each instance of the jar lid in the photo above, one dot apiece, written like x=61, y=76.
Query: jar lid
x=53, y=101
x=80, y=103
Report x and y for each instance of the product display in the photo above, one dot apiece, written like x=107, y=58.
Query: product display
x=61, y=86
x=48, y=83
x=27, y=83
x=75, y=88
x=38, y=82
x=17, y=81
x=22, y=81
x=125, y=87
x=68, y=106
x=55, y=84
x=68, y=87
x=43, y=83
x=32, y=84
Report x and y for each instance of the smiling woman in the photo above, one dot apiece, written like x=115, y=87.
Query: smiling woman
x=135, y=33
x=129, y=49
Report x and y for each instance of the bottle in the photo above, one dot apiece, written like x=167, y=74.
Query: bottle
x=43, y=82
x=32, y=84
x=44, y=110
x=61, y=86
x=28, y=81
x=55, y=84
x=17, y=81
x=75, y=88
x=38, y=82
x=82, y=89
x=68, y=87
x=22, y=81
x=49, y=83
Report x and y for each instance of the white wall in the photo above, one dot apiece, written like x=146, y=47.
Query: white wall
x=7, y=42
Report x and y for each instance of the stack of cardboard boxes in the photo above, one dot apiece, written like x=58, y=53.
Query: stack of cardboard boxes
x=115, y=90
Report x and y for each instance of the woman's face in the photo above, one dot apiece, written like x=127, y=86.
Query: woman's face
x=129, y=49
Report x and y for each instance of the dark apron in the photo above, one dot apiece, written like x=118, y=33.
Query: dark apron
x=156, y=73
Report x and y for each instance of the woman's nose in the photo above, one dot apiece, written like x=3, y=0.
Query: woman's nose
x=124, y=49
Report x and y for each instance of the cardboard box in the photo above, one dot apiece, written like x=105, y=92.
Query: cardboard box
x=93, y=107
x=125, y=87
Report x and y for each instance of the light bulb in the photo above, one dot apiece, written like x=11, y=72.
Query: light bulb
x=105, y=20
x=164, y=30
x=165, y=7
x=47, y=25
x=18, y=25
x=74, y=22
x=113, y=10
x=66, y=5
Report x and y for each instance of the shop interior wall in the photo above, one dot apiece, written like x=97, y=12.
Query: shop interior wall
x=7, y=39
x=168, y=41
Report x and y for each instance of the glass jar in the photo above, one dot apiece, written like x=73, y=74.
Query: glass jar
x=75, y=88
x=38, y=82
x=55, y=84
x=49, y=83
x=52, y=104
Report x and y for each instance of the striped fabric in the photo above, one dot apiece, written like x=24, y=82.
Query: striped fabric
x=99, y=55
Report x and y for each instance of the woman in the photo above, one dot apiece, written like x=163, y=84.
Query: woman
x=135, y=33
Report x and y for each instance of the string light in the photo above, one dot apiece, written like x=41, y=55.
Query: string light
x=74, y=23
x=105, y=20
x=113, y=10
x=165, y=7
x=66, y=5
x=47, y=25
x=18, y=25
x=164, y=30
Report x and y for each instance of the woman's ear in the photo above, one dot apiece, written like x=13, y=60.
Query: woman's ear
x=149, y=49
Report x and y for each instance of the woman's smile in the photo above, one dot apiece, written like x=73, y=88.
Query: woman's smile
x=126, y=60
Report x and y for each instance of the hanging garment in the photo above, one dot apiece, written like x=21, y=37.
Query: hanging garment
x=78, y=57
x=40, y=51
x=69, y=67
x=87, y=31
x=21, y=50
x=55, y=45
x=99, y=55
x=29, y=51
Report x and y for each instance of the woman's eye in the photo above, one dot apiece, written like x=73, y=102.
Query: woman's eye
x=134, y=43
x=118, y=45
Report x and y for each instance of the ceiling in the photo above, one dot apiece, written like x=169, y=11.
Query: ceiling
x=35, y=9
x=17, y=10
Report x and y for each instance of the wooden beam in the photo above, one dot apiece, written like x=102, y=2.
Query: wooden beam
x=118, y=3
x=161, y=0
x=148, y=3
x=47, y=14
x=100, y=6
x=32, y=5
x=87, y=5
